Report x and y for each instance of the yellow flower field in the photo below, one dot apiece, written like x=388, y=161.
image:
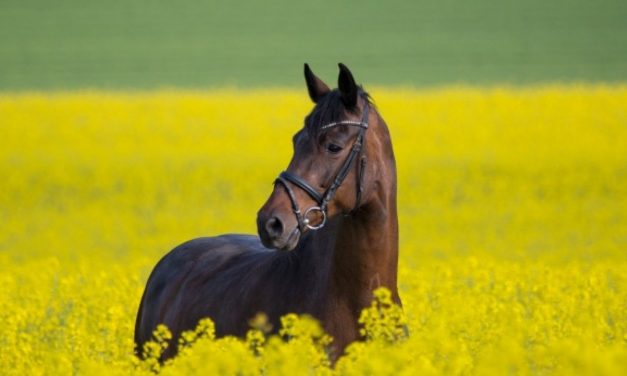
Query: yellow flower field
x=512, y=209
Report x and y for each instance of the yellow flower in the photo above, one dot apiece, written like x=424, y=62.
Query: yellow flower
x=512, y=213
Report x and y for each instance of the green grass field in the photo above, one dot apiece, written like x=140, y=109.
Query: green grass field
x=145, y=44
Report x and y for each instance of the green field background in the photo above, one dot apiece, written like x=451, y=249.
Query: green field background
x=71, y=44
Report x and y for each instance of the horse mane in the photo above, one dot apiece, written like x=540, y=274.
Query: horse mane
x=329, y=109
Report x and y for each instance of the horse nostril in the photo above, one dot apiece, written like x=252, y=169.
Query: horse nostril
x=274, y=227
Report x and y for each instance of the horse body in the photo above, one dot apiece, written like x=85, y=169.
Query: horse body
x=229, y=278
x=329, y=273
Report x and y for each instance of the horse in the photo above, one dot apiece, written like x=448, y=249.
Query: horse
x=323, y=261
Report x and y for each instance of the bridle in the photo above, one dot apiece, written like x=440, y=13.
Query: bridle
x=323, y=199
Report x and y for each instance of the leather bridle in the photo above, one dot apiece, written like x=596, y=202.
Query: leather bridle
x=323, y=199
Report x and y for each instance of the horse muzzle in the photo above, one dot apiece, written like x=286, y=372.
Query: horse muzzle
x=276, y=232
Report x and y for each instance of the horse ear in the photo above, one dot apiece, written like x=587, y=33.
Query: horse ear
x=347, y=86
x=317, y=89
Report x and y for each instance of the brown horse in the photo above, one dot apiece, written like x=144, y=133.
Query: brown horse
x=324, y=261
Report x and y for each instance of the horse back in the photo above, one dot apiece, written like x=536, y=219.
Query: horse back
x=204, y=277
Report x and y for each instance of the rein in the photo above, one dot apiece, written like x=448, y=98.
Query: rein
x=323, y=199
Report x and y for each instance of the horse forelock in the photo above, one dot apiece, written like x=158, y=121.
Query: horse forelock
x=329, y=109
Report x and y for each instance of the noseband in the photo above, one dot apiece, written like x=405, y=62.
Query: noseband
x=323, y=199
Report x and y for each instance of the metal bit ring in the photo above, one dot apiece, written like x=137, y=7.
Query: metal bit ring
x=306, y=218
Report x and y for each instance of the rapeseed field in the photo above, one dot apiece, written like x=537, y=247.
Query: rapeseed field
x=512, y=210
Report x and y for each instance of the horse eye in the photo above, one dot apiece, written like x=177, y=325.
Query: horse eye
x=333, y=148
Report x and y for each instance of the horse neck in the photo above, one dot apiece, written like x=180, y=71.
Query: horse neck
x=366, y=252
x=351, y=256
x=366, y=247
